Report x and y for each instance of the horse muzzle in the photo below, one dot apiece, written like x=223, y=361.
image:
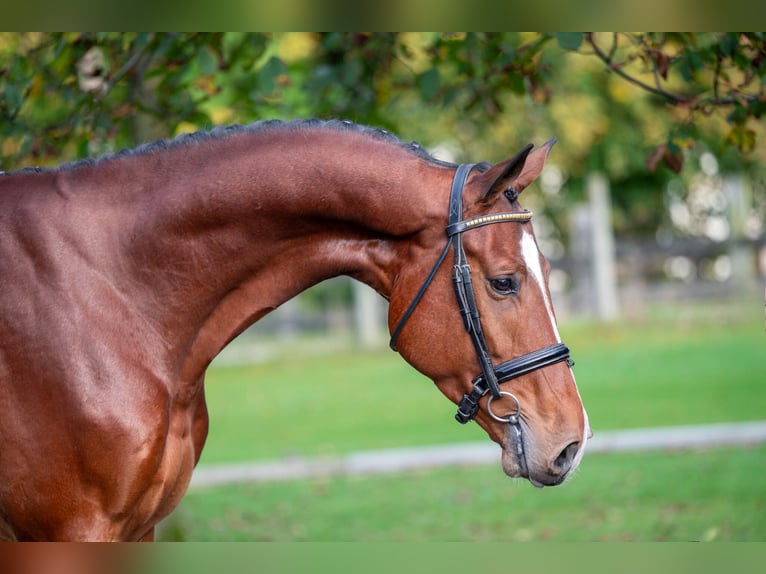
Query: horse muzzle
x=521, y=458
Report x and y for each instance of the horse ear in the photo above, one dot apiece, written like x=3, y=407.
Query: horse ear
x=514, y=174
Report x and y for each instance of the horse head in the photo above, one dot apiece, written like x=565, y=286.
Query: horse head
x=483, y=328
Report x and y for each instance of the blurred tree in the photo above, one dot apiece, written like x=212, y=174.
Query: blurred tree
x=623, y=103
x=712, y=73
x=60, y=88
x=70, y=95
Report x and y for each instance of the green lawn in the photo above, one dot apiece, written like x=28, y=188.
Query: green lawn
x=680, y=496
x=679, y=366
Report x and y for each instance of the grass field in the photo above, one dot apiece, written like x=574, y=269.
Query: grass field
x=679, y=366
x=710, y=495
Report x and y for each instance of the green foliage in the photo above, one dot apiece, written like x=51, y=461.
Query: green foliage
x=351, y=75
x=634, y=105
x=477, y=70
x=72, y=95
x=569, y=40
x=47, y=103
x=702, y=73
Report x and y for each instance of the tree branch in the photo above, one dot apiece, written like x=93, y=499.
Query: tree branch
x=695, y=102
x=126, y=67
x=614, y=67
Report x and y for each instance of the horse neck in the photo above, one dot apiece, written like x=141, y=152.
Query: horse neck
x=243, y=226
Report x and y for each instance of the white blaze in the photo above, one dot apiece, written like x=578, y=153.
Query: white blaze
x=531, y=255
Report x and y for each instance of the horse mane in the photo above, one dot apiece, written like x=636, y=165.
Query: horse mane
x=221, y=132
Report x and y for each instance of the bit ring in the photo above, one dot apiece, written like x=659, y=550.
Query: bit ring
x=512, y=418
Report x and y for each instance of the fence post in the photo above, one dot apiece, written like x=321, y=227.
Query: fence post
x=741, y=255
x=602, y=245
x=367, y=316
x=580, y=225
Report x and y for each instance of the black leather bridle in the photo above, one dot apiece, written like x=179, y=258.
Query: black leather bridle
x=491, y=376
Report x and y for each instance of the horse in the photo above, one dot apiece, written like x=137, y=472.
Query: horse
x=122, y=277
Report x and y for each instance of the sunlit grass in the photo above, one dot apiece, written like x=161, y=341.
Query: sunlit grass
x=677, y=367
x=678, y=496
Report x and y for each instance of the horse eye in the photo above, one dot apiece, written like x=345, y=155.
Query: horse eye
x=504, y=286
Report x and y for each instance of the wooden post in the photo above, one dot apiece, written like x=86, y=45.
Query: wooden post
x=602, y=244
x=367, y=316
x=580, y=225
x=738, y=194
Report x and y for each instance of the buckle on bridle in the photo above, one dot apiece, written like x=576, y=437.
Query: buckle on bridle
x=469, y=404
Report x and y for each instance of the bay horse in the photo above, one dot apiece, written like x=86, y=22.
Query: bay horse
x=121, y=278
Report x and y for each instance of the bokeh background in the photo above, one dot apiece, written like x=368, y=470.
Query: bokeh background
x=651, y=211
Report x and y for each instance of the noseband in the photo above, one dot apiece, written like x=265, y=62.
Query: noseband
x=491, y=376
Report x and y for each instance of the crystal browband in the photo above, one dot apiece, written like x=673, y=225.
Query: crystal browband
x=460, y=226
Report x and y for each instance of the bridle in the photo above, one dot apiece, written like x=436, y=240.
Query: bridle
x=491, y=376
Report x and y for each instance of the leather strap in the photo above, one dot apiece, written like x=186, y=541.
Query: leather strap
x=469, y=404
x=491, y=376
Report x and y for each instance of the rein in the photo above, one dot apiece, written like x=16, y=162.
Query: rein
x=491, y=376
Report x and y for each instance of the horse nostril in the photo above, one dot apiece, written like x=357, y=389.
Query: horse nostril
x=565, y=458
